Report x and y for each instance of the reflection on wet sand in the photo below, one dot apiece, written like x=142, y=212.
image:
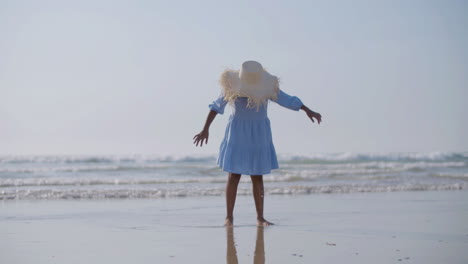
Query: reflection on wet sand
x=259, y=256
x=231, y=252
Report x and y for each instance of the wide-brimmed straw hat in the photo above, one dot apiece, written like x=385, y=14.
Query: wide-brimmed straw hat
x=251, y=81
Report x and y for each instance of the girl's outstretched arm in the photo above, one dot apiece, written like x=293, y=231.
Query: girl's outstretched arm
x=311, y=114
x=203, y=135
x=294, y=103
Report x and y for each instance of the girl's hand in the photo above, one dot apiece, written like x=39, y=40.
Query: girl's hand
x=200, y=137
x=311, y=114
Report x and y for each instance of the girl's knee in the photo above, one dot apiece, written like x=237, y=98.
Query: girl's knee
x=233, y=177
x=256, y=179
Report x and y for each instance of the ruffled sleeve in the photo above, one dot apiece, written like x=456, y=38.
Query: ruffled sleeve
x=288, y=101
x=218, y=105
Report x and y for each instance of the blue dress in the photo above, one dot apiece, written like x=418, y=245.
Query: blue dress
x=247, y=147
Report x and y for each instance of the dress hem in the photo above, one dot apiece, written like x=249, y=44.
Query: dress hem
x=248, y=173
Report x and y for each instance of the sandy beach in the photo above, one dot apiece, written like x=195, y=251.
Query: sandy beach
x=393, y=227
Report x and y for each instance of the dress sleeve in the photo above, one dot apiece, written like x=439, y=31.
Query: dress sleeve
x=288, y=101
x=218, y=105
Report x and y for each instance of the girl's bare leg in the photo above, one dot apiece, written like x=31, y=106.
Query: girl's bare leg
x=258, y=194
x=231, y=193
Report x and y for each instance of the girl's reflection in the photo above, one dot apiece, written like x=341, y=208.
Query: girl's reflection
x=259, y=256
x=231, y=252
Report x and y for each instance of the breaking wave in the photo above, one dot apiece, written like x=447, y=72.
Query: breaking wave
x=126, y=193
x=149, y=176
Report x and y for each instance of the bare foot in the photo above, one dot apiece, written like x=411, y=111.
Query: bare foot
x=262, y=222
x=229, y=222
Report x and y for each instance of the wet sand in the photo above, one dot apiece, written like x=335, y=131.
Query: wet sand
x=394, y=227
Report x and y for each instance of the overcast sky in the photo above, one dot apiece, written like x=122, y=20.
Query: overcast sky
x=126, y=77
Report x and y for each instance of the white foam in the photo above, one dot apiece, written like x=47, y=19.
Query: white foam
x=337, y=157
x=66, y=159
x=376, y=156
x=7, y=194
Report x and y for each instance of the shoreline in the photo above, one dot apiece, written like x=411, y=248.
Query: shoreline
x=11, y=194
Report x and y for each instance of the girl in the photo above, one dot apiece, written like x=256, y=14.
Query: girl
x=247, y=147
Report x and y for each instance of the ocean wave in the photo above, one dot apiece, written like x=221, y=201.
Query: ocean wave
x=373, y=167
x=135, y=176
x=74, y=181
x=117, y=175
x=102, y=159
x=128, y=193
x=25, y=182
x=286, y=158
x=366, y=157
x=101, y=168
x=453, y=175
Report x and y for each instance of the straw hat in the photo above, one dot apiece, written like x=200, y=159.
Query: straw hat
x=251, y=81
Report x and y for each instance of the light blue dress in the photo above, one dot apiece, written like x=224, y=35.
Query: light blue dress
x=247, y=147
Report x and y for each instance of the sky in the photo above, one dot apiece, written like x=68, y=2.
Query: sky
x=136, y=77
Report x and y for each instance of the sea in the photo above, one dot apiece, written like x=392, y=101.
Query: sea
x=42, y=177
